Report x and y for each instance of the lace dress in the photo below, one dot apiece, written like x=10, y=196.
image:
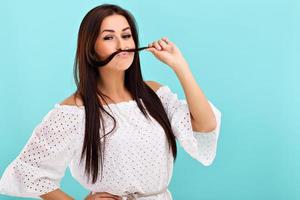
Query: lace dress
x=138, y=164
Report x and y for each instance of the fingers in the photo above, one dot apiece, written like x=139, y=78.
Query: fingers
x=157, y=46
x=103, y=196
x=162, y=44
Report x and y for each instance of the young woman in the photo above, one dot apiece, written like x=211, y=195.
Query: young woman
x=117, y=132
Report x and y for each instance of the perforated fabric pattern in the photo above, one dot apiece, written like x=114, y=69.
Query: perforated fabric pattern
x=136, y=157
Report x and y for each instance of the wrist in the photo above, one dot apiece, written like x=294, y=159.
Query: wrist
x=182, y=67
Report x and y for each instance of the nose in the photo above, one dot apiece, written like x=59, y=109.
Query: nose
x=121, y=44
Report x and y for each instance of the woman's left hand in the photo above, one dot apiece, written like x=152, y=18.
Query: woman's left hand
x=167, y=52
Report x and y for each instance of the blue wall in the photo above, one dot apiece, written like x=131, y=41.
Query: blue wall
x=243, y=54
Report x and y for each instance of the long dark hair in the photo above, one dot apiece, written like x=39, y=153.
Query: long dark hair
x=86, y=78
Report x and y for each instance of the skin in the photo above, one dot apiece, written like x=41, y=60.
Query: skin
x=164, y=50
x=112, y=76
x=111, y=81
x=102, y=196
x=56, y=194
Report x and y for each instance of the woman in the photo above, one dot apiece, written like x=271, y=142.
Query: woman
x=134, y=158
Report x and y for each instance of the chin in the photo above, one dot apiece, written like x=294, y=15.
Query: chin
x=125, y=64
x=125, y=67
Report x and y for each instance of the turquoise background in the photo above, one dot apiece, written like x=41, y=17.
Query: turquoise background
x=243, y=54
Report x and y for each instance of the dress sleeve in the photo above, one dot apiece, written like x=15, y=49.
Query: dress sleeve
x=202, y=146
x=43, y=160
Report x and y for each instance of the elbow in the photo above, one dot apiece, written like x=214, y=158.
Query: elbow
x=205, y=126
x=213, y=124
x=211, y=127
x=208, y=128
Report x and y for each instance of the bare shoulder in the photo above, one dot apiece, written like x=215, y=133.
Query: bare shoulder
x=153, y=85
x=72, y=100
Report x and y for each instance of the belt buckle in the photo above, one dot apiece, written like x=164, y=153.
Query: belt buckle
x=131, y=195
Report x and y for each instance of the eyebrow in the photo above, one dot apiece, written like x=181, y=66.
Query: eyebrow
x=110, y=30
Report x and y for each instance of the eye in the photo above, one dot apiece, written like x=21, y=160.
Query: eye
x=124, y=36
x=127, y=36
x=107, y=38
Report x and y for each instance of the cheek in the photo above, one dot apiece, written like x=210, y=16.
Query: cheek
x=133, y=44
x=102, y=49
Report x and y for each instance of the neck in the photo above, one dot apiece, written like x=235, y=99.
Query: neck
x=112, y=84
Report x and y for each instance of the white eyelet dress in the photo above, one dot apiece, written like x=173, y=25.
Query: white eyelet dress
x=137, y=162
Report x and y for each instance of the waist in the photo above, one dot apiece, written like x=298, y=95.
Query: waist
x=136, y=195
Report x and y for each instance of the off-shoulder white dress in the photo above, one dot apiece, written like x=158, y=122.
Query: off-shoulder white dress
x=138, y=164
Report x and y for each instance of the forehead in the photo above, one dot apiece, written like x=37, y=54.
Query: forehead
x=114, y=22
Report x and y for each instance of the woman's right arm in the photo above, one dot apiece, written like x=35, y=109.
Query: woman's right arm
x=56, y=194
x=38, y=169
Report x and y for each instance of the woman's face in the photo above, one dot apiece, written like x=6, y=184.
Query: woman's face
x=115, y=34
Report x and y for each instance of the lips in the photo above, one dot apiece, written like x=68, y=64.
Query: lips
x=123, y=54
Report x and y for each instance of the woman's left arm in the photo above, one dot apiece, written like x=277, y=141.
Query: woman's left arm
x=202, y=115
